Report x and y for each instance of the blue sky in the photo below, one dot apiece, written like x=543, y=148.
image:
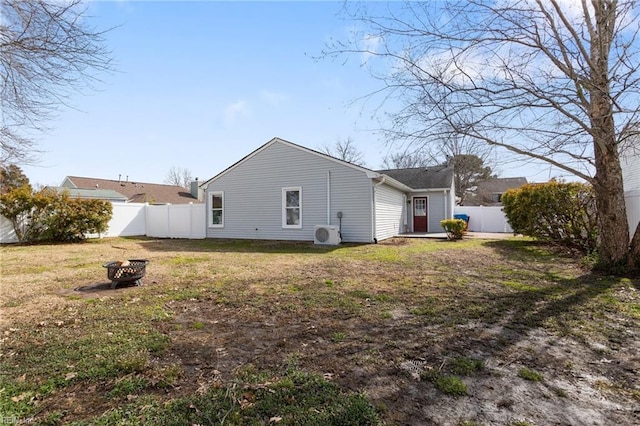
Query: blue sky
x=199, y=85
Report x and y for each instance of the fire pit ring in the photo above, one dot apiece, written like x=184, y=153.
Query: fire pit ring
x=130, y=271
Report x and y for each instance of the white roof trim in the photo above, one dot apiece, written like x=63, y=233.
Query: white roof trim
x=431, y=190
x=393, y=182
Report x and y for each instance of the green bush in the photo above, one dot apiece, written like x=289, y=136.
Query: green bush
x=51, y=216
x=455, y=228
x=556, y=212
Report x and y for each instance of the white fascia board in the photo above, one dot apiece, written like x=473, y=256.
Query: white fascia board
x=431, y=190
x=393, y=183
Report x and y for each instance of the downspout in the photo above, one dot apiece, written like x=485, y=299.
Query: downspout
x=446, y=204
x=405, y=220
x=328, y=197
x=373, y=207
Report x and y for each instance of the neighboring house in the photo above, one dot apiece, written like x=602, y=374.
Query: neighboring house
x=133, y=192
x=281, y=191
x=489, y=192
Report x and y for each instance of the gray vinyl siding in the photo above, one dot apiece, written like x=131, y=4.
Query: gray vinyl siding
x=253, y=196
x=389, y=211
x=437, y=203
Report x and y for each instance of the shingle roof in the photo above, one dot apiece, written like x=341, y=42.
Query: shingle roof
x=501, y=185
x=436, y=177
x=138, y=192
x=97, y=194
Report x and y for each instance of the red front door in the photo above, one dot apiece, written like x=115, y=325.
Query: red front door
x=420, y=214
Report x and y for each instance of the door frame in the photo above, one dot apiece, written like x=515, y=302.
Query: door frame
x=413, y=211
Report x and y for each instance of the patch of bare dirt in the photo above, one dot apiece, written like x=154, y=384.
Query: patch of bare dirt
x=581, y=382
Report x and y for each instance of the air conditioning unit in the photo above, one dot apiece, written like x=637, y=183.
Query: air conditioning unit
x=327, y=234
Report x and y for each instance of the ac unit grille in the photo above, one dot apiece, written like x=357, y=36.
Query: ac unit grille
x=327, y=234
x=322, y=235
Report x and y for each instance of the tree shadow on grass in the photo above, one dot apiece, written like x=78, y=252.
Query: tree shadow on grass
x=219, y=245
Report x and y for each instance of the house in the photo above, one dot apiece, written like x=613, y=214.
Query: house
x=489, y=192
x=282, y=191
x=128, y=191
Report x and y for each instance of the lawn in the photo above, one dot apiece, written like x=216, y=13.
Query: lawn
x=407, y=331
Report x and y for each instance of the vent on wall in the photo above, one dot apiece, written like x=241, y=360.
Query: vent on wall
x=327, y=234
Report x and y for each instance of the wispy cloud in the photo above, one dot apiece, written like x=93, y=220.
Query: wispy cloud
x=369, y=46
x=273, y=98
x=233, y=111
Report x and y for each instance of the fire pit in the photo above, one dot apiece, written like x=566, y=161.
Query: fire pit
x=130, y=271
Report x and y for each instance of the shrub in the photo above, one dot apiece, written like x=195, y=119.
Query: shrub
x=50, y=216
x=455, y=228
x=556, y=212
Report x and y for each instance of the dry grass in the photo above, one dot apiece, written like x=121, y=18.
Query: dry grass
x=352, y=313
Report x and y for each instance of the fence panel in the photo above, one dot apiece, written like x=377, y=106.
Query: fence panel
x=485, y=218
x=128, y=220
x=176, y=221
x=158, y=221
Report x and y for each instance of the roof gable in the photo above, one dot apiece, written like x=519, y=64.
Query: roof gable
x=134, y=191
x=370, y=173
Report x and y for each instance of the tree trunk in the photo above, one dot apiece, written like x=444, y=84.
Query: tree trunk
x=611, y=209
x=607, y=183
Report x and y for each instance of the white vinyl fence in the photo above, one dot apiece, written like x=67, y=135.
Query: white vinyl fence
x=133, y=219
x=176, y=221
x=485, y=218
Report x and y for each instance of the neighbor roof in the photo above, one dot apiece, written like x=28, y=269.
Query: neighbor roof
x=501, y=185
x=138, y=192
x=95, y=194
x=437, y=177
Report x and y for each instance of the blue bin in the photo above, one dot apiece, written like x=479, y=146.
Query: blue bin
x=464, y=217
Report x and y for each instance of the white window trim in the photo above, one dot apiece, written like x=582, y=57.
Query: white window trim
x=211, y=195
x=284, y=207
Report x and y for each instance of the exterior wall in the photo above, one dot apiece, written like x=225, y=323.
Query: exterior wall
x=253, y=196
x=390, y=211
x=438, y=208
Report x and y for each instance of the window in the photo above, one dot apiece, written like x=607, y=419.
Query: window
x=217, y=209
x=292, y=207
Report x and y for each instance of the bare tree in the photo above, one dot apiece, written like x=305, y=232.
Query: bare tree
x=405, y=160
x=553, y=81
x=345, y=150
x=179, y=177
x=48, y=51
